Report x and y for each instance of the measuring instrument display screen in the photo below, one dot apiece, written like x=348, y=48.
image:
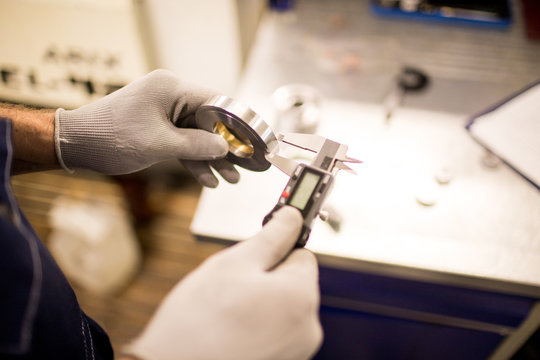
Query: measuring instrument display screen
x=304, y=189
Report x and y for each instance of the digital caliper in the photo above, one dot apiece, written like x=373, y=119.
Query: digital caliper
x=254, y=146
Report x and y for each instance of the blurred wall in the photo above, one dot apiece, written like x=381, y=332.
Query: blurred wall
x=66, y=53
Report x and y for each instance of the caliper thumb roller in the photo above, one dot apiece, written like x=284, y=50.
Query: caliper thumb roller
x=254, y=146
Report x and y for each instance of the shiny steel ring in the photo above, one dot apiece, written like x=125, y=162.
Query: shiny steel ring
x=249, y=137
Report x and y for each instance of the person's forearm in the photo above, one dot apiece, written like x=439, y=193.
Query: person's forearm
x=33, y=138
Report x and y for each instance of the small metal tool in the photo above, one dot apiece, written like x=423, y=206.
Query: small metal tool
x=409, y=79
x=298, y=108
x=309, y=185
x=253, y=145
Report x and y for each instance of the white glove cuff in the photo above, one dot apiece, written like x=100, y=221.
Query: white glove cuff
x=85, y=139
x=57, y=141
x=137, y=351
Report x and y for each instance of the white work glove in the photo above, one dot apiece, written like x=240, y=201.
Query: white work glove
x=141, y=124
x=254, y=300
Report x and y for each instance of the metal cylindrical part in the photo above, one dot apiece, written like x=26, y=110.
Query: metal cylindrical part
x=249, y=137
x=297, y=108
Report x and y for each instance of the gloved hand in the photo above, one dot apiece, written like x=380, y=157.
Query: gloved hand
x=143, y=123
x=251, y=301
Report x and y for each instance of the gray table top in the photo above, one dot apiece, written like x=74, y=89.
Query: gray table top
x=483, y=228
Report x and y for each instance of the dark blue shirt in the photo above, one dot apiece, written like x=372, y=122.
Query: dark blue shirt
x=40, y=317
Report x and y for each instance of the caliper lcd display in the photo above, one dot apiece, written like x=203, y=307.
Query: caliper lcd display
x=304, y=189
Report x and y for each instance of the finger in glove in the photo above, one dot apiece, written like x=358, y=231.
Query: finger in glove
x=201, y=172
x=226, y=169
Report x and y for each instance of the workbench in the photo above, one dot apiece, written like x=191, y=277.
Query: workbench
x=454, y=277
